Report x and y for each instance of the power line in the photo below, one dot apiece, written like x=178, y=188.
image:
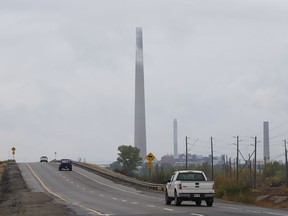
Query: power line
x=281, y=134
x=284, y=123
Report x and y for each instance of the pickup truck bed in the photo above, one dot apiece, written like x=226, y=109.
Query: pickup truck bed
x=189, y=185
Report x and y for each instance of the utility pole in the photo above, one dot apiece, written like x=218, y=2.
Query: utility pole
x=237, y=161
x=286, y=165
x=255, y=163
x=230, y=167
x=186, y=153
x=250, y=170
x=212, y=163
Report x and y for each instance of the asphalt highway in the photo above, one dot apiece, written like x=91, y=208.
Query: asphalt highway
x=90, y=194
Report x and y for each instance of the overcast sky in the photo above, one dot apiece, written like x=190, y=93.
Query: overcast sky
x=67, y=73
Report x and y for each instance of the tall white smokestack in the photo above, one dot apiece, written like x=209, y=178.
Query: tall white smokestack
x=266, y=141
x=139, y=123
x=175, y=138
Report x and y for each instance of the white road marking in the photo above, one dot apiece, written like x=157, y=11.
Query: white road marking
x=229, y=207
x=256, y=212
x=271, y=213
x=114, y=198
x=167, y=209
x=196, y=214
x=117, y=187
x=84, y=188
x=91, y=191
x=77, y=185
x=135, y=203
x=152, y=206
x=124, y=200
x=72, y=182
x=101, y=195
x=60, y=197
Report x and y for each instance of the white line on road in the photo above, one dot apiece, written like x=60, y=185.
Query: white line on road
x=135, y=203
x=59, y=196
x=196, y=214
x=271, y=213
x=114, y=198
x=152, y=206
x=256, y=212
x=124, y=200
x=229, y=207
x=167, y=209
x=117, y=187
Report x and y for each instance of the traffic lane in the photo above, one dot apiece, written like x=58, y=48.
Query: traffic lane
x=125, y=203
x=124, y=198
x=109, y=200
x=118, y=199
x=76, y=191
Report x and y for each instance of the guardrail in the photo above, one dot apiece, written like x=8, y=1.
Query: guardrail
x=119, y=177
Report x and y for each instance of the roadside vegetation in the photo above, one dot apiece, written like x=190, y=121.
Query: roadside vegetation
x=270, y=178
x=4, y=180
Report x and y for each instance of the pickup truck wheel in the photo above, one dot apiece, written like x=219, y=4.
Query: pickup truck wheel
x=167, y=199
x=209, y=202
x=198, y=202
x=177, y=200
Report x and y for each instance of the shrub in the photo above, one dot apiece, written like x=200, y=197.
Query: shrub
x=232, y=191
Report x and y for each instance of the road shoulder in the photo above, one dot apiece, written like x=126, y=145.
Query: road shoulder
x=16, y=198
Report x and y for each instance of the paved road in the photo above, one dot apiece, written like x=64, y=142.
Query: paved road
x=96, y=195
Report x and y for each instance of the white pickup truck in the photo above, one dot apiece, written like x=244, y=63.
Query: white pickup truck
x=189, y=185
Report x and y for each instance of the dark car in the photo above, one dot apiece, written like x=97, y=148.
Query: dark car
x=65, y=164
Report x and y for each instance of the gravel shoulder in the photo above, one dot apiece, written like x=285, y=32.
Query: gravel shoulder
x=17, y=199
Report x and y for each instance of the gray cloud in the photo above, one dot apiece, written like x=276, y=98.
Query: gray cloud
x=67, y=75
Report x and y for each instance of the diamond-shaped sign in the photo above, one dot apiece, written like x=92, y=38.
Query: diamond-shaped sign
x=150, y=157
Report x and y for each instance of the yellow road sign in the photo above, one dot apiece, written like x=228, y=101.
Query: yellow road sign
x=150, y=165
x=13, y=150
x=150, y=157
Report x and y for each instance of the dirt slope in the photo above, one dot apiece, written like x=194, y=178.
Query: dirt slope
x=16, y=199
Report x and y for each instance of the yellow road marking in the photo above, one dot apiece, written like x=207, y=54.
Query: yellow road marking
x=61, y=197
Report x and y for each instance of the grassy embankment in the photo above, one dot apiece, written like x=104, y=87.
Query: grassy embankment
x=2, y=170
x=228, y=190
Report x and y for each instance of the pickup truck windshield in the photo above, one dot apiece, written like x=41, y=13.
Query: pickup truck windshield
x=190, y=177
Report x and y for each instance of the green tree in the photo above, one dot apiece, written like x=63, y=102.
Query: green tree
x=115, y=166
x=129, y=159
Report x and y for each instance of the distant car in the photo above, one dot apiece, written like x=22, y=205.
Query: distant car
x=44, y=159
x=65, y=164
